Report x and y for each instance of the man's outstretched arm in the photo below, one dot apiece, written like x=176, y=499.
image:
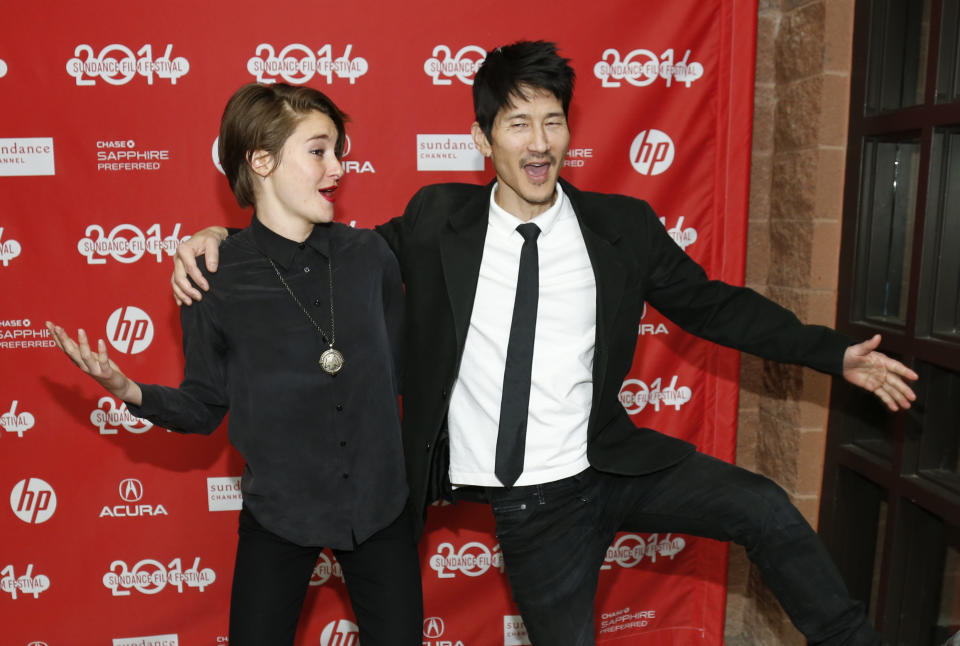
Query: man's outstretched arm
x=206, y=243
x=743, y=319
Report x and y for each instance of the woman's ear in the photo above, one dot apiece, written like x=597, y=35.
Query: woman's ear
x=261, y=162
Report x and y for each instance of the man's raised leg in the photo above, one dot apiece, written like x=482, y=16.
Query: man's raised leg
x=703, y=496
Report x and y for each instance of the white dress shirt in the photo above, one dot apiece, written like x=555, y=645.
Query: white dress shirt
x=561, y=390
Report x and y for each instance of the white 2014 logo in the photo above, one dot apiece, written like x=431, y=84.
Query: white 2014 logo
x=150, y=577
x=27, y=584
x=297, y=64
x=117, y=65
x=19, y=423
x=126, y=243
x=635, y=395
x=326, y=569
x=642, y=67
x=8, y=250
x=473, y=559
x=630, y=549
x=107, y=413
x=443, y=65
x=683, y=237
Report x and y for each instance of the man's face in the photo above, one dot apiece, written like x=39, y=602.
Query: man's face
x=529, y=141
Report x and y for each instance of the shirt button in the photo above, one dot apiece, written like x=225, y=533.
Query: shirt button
x=302, y=246
x=316, y=302
x=306, y=270
x=339, y=407
x=342, y=443
x=346, y=476
x=443, y=393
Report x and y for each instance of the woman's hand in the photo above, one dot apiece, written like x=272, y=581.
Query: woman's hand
x=96, y=364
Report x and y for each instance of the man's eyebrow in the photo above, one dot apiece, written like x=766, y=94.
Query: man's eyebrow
x=524, y=115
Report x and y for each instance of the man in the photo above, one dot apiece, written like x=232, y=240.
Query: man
x=572, y=469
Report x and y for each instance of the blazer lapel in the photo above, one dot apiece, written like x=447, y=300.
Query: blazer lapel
x=610, y=277
x=461, y=249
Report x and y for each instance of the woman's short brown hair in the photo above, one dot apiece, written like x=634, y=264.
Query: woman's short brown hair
x=262, y=117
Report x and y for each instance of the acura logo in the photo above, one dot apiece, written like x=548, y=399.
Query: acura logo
x=131, y=490
x=432, y=627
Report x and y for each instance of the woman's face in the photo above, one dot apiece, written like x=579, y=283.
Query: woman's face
x=300, y=190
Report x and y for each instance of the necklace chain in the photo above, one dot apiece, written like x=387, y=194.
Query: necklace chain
x=333, y=330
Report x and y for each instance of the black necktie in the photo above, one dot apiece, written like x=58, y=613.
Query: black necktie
x=512, y=434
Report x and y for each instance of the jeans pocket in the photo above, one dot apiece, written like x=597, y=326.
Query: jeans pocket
x=509, y=507
x=511, y=516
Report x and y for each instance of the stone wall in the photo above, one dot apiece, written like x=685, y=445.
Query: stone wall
x=799, y=147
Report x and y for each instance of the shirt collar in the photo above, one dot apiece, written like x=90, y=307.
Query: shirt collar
x=506, y=222
x=282, y=250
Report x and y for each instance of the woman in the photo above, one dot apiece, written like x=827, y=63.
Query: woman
x=300, y=341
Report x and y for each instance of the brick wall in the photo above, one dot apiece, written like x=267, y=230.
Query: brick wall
x=799, y=147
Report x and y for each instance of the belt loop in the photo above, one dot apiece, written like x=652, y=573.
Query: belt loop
x=540, y=497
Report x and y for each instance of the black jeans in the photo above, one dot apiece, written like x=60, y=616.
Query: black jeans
x=541, y=528
x=272, y=574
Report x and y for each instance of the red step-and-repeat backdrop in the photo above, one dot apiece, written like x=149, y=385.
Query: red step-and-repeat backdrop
x=114, y=532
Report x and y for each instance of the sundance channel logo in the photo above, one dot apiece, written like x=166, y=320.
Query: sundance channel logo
x=151, y=640
x=448, y=152
x=514, y=631
x=223, y=494
x=26, y=156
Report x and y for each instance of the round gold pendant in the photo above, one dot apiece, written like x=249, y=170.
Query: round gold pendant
x=331, y=361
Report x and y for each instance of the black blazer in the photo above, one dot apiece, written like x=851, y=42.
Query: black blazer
x=439, y=242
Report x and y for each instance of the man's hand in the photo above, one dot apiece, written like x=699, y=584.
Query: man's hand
x=96, y=364
x=203, y=243
x=874, y=371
